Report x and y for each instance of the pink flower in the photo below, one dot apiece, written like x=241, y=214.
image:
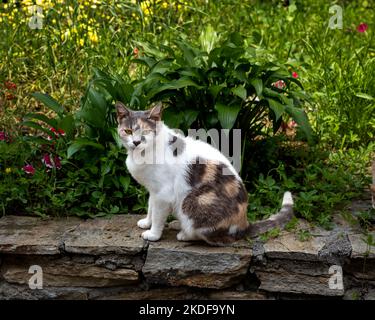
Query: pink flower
x=280, y=84
x=3, y=136
x=362, y=27
x=29, y=169
x=295, y=75
x=292, y=124
x=47, y=161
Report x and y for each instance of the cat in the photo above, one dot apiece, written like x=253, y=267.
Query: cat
x=189, y=178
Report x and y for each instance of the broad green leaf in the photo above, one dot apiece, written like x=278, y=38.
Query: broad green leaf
x=41, y=117
x=173, y=118
x=240, y=92
x=36, y=126
x=49, y=102
x=215, y=89
x=68, y=125
x=227, y=114
x=81, y=143
x=190, y=116
x=125, y=182
x=299, y=116
x=258, y=86
x=277, y=108
x=274, y=94
x=173, y=85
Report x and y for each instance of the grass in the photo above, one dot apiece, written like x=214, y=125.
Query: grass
x=336, y=68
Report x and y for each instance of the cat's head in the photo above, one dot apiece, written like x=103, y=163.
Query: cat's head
x=138, y=129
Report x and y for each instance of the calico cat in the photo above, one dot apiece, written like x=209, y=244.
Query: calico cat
x=189, y=178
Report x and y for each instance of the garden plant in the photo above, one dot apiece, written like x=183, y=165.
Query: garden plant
x=301, y=92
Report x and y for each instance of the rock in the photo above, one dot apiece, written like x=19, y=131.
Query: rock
x=300, y=277
x=22, y=292
x=66, y=273
x=30, y=235
x=236, y=295
x=288, y=246
x=116, y=235
x=336, y=249
x=195, y=264
x=360, y=248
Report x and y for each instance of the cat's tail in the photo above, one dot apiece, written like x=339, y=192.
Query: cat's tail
x=278, y=220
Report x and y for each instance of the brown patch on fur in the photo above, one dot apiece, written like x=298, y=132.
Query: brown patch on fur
x=239, y=218
x=231, y=188
x=216, y=202
x=206, y=199
x=195, y=172
x=210, y=172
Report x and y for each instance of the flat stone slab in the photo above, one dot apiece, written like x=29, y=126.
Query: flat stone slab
x=195, y=264
x=30, y=235
x=116, y=235
x=288, y=246
x=360, y=248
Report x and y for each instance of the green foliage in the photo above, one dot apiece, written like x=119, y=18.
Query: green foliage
x=318, y=188
x=218, y=84
x=207, y=79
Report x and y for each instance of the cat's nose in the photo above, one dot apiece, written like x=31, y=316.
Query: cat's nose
x=136, y=142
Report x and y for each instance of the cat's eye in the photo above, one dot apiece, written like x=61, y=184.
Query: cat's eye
x=146, y=132
x=128, y=131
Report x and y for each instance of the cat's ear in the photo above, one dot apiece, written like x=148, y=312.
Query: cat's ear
x=122, y=110
x=155, y=112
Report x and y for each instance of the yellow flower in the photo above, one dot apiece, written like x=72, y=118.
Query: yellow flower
x=93, y=36
x=81, y=42
x=8, y=170
x=164, y=5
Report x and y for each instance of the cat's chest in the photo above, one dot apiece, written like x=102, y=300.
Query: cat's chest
x=147, y=175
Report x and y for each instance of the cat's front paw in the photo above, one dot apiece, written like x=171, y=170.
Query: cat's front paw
x=150, y=236
x=144, y=223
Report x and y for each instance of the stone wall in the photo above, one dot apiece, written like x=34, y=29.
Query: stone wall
x=108, y=259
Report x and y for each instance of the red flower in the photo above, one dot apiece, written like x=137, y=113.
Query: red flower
x=9, y=96
x=57, y=132
x=10, y=85
x=362, y=27
x=280, y=84
x=295, y=74
x=50, y=162
x=135, y=52
x=57, y=161
x=47, y=161
x=29, y=169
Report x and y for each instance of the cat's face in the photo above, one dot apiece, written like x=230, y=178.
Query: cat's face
x=137, y=129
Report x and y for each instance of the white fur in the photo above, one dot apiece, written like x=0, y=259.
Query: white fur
x=166, y=180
